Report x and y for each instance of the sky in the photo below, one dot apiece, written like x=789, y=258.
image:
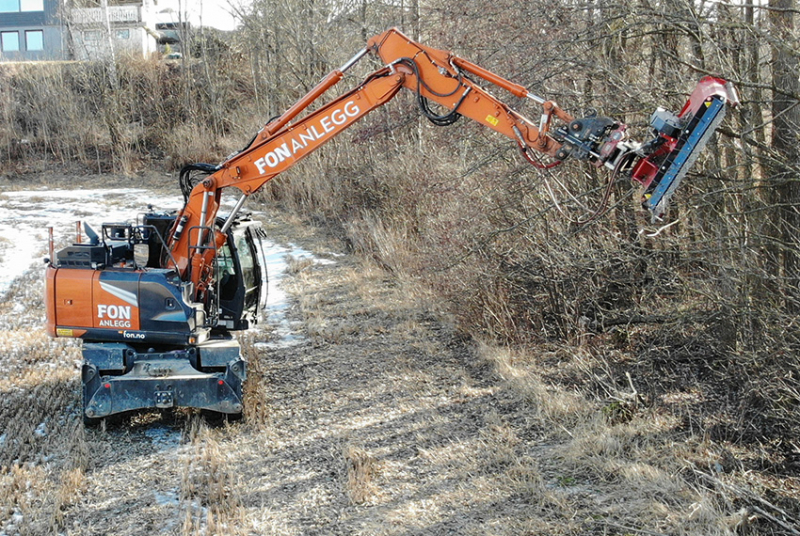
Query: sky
x=215, y=13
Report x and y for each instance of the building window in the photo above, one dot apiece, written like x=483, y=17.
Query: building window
x=31, y=5
x=91, y=36
x=9, y=6
x=34, y=40
x=9, y=41
x=123, y=34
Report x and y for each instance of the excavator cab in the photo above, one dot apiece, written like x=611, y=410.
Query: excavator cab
x=240, y=273
x=241, y=277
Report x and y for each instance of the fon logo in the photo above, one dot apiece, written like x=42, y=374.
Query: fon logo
x=327, y=124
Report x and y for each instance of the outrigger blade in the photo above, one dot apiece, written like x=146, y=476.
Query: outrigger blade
x=680, y=140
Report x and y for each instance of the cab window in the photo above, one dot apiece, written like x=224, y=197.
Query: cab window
x=249, y=275
x=226, y=273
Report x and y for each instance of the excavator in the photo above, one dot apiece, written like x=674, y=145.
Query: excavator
x=155, y=302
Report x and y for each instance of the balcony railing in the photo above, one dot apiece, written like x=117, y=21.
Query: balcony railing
x=94, y=15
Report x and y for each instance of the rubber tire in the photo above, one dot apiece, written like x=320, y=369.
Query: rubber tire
x=215, y=417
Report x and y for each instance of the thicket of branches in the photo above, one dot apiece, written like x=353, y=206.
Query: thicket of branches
x=706, y=301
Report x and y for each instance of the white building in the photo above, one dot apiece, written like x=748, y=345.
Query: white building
x=131, y=27
x=30, y=30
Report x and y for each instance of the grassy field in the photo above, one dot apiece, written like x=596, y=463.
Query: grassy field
x=474, y=359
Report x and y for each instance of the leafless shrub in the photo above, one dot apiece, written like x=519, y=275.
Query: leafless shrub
x=257, y=410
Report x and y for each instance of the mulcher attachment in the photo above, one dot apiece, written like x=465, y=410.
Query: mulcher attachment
x=680, y=140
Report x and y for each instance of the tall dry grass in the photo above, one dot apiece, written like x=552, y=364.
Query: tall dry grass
x=208, y=485
x=74, y=117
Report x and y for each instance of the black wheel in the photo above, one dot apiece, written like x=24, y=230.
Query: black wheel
x=217, y=418
x=234, y=417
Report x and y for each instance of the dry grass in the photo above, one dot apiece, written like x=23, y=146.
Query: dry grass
x=208, y=487
x=257, y=411
x=69, y=115
x=362, y=469
x=42, y=448
x=385, y=419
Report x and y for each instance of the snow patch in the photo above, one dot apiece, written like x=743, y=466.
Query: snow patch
x=287, y=332
x=26, y=215
x=169, y=498
x=41, y=430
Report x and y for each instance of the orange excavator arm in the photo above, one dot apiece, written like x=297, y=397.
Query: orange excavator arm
x=272, y=151
x=434, y=76
x=440, y=76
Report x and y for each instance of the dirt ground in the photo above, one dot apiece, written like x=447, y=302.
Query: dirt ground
x=373, y=415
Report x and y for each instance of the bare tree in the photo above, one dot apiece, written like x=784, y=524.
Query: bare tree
x=785, y=139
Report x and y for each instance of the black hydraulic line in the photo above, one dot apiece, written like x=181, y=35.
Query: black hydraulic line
x=618, y=169
x=188, y=180
x=438, y=120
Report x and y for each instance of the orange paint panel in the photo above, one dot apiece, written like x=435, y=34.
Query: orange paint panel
x=72, y=297
x=50, y=300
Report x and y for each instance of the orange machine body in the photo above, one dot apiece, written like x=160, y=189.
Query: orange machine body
x=117, y=305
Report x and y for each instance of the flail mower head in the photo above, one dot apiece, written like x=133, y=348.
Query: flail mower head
x=679, y=141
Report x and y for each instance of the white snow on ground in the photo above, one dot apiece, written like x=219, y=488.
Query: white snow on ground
x=26, y=215
x=286, y=331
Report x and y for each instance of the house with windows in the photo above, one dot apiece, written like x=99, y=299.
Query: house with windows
x=127, y=27
x=33, y=30
x=30, y=30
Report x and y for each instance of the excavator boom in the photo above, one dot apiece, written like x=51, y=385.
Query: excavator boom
x=433, y=75
x=437, y=76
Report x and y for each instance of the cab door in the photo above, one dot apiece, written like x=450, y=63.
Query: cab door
x=260, y=258
x=241, y=277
